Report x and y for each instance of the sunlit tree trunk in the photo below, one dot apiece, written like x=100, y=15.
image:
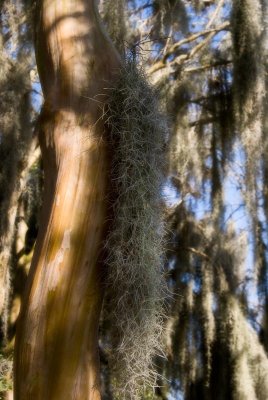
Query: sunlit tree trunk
x=56, y=354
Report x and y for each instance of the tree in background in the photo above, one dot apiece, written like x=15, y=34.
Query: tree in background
x=208, y=62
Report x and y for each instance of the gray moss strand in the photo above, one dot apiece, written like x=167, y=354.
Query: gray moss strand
x=135, y=283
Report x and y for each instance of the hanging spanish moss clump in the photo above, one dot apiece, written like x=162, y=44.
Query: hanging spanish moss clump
x=169, y=16
x=249, y=91
x=135, y=284
x=114, y=18
x=207, y=319
x=248, y=63
x=204, y=254
x=249, y=85
x=247, y=356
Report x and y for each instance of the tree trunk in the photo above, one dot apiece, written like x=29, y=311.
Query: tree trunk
x=56, y=354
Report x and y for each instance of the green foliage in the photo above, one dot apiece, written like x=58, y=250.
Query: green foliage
x=5, y=374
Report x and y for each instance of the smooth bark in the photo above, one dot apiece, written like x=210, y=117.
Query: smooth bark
x=56, y=354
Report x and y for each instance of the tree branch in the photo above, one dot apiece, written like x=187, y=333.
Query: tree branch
x=209, y=33
x=214, y=15
x=207, y=66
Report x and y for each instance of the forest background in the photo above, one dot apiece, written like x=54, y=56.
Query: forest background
x=208, y=62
